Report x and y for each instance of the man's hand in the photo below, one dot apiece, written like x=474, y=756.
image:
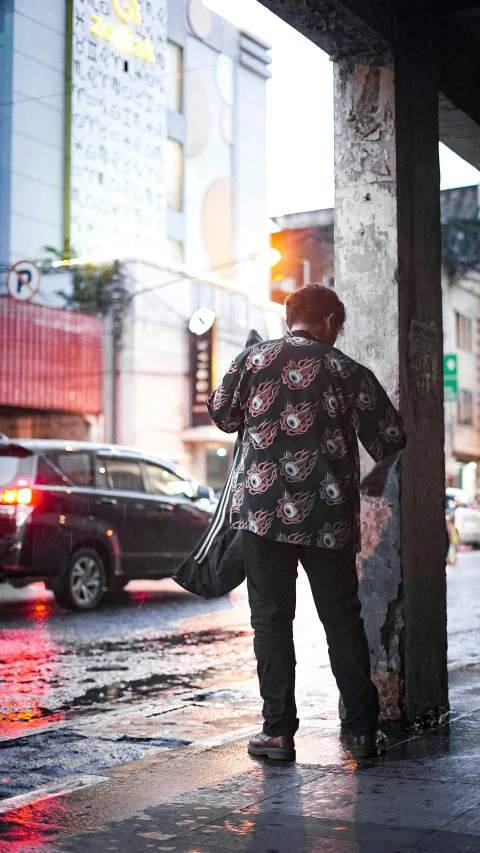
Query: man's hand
x=373, y=484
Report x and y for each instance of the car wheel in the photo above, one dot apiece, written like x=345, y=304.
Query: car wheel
x=82, y=585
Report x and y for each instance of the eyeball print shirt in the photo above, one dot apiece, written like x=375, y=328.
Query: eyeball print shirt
x=299, y=406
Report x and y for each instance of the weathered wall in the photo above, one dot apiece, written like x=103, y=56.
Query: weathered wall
x=365, y=276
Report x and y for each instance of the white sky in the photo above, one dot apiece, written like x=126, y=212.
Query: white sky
x=300, y=116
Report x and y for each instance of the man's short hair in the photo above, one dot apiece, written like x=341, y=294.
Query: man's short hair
x=312, y=303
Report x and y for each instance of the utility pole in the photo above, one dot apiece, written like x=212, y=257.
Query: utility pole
x=118, y=302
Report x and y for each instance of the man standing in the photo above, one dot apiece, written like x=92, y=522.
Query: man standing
x=300, y=404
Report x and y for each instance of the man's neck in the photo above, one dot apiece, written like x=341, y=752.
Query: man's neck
x=298, y=328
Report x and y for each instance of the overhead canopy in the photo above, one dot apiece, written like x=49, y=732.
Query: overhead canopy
x=365, y=29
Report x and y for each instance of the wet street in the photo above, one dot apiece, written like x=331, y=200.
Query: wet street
x=156, y=669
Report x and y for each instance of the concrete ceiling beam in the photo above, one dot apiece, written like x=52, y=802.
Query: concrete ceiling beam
x=364, y=30
x=458, y=8
x=342, y=29
x=458, y=131
x=459, y=71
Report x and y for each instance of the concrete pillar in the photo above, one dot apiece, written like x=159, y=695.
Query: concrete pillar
x=387, y=270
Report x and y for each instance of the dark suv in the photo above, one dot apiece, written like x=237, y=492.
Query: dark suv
x=85, y=517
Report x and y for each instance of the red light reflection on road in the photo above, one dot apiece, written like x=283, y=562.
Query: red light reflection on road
x=32, y=826
x=29, y=671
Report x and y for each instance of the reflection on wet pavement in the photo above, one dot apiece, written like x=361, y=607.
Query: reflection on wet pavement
x=29, y=831
x=37, y=681
x=156, y=669
x=155, y=641
x=54, y=666
x=31, y=671
x=219, y=800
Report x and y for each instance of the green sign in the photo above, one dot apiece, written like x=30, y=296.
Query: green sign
x=450, y=366
x=450, y=390
x=450, y=381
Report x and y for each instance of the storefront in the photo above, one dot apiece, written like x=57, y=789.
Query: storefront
x=52, y=372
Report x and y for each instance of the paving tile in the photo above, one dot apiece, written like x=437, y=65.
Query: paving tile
x=468, y=823
x=448, y=842
x=255, y=834
x=262, y=780
x=378, y=799
x=294, y=833
x=447, y=754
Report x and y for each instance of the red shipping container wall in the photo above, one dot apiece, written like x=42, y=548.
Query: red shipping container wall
x=50, y=358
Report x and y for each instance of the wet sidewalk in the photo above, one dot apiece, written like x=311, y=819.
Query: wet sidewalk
x=423, y=796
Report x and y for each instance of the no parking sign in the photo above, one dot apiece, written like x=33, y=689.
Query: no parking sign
x=23, y=280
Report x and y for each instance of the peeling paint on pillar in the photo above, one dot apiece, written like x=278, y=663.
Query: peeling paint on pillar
x=365, y=215
x=365, y=274
x=381, y=595
x=387, y=271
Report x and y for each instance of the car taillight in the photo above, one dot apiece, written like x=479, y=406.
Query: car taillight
x=12, y=497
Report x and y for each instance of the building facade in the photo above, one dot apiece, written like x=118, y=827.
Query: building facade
x=461, y=329
x=135, y=132
x=305, y=241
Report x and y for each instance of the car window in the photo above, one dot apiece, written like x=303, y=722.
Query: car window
x=124, y=475
x=14, y=462
x=75, y=464
x=101, y=479
x=47, y=475
x=164, y=482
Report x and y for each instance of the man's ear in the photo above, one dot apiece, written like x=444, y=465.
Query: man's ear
x=332, y=324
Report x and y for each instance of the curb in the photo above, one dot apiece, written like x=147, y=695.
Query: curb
x=70, y=784
x=67, y=786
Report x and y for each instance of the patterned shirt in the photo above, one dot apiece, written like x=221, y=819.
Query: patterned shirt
x=299, y=405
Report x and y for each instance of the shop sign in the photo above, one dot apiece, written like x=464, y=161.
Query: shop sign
x=120, y=35
x=118, y=128
x=201, y=369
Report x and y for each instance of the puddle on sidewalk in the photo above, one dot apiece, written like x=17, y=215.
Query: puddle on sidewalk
x=48, y=682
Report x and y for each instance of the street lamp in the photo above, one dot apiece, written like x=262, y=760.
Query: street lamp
x=201, y=321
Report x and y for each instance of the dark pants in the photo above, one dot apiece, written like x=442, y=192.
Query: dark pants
x=271, y=569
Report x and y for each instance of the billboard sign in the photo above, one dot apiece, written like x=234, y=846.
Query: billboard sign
x=118, y=128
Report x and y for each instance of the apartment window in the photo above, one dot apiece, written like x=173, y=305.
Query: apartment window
x=174, y=174
x=174, y=77
x=465, y=408
x=464, y=332
x=175, y=250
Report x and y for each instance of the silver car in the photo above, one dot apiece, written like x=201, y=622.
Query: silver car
x=467, y=516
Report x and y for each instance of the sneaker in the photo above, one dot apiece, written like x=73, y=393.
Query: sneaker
x=280, y=748
x=370, y=745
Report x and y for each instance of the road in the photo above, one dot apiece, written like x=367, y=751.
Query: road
x=157, y=668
